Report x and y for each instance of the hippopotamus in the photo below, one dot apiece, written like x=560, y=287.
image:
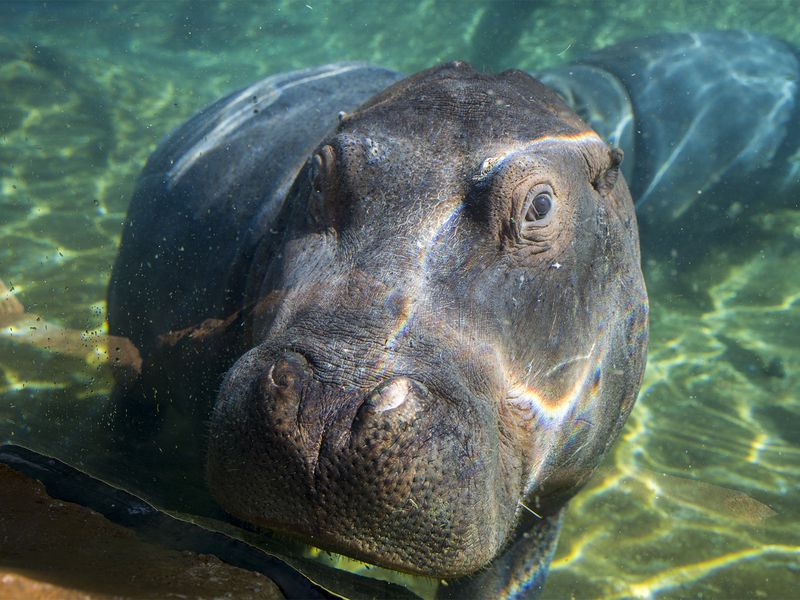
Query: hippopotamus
x=404, y=318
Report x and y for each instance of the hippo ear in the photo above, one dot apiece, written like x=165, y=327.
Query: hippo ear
x=322, y=176
x=606, y=181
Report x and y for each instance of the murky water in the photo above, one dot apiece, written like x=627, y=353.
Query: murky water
x=88, y=89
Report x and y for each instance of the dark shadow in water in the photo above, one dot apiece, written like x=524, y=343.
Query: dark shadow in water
x=750, y=363
x=782, y=420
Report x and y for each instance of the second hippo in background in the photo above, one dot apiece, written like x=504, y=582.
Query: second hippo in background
x=709, y=122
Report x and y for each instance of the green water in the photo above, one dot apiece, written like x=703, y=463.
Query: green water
x=88, y=89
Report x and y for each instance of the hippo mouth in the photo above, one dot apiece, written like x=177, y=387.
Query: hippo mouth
x=423, y=586
x=393, y=476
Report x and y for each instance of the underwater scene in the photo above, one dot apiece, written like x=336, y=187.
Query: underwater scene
x=697, y=498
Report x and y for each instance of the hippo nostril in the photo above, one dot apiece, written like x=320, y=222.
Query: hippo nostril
x=391, y=395
x=286, y=375
x=394, y=402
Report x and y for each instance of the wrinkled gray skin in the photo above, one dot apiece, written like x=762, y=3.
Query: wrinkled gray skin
x=428, y=354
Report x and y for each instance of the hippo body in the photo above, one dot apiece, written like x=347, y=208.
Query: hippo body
x=187, y=237
x=426, y=311
x=450, y=319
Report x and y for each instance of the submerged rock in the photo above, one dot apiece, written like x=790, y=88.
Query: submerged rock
x=59, y=550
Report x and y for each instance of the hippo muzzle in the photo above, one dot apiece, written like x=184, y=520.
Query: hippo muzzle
x=388, y=474
x=457, y=330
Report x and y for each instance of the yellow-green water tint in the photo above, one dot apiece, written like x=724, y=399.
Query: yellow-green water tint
x=88, y=89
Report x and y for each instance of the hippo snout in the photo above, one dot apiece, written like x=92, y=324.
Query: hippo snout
x=287, y=389
x=384, y=472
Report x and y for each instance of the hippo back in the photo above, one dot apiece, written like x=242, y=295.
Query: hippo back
x=212, y=187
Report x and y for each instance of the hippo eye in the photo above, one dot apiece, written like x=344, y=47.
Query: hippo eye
x=538, y=207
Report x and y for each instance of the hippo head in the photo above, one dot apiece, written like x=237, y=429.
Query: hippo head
x=453, y=325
